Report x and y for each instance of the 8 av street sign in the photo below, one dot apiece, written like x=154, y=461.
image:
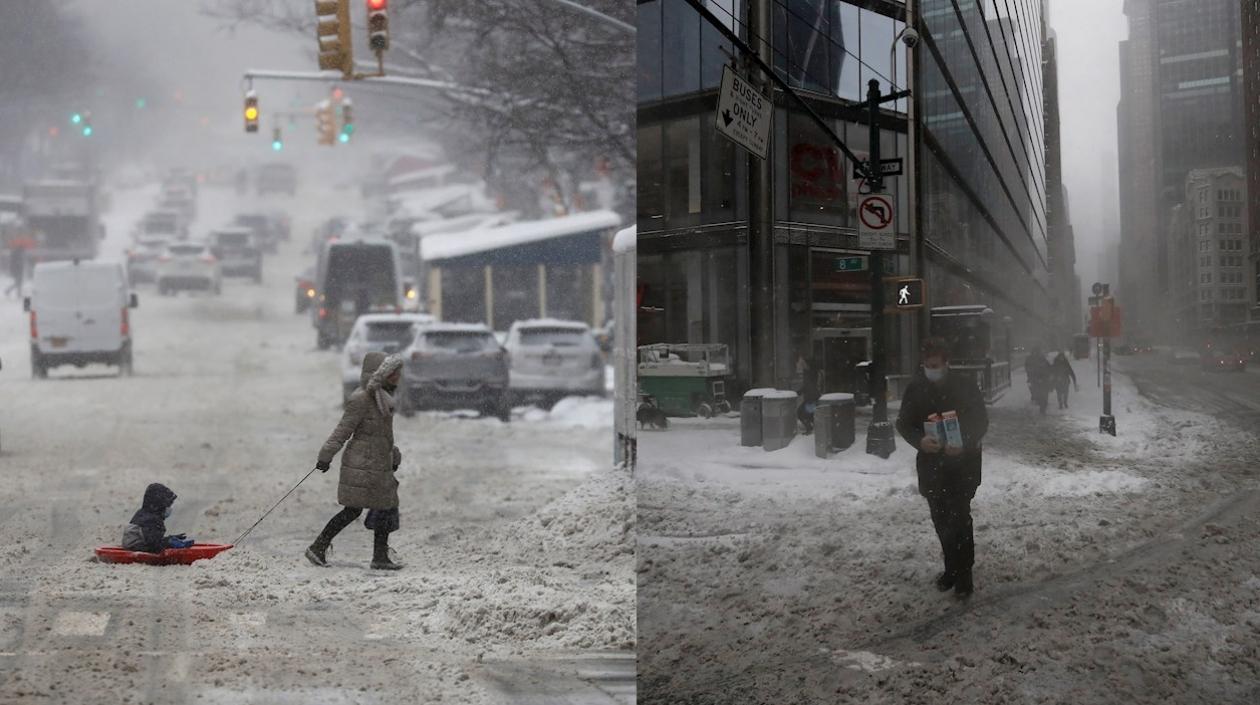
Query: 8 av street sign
x=744, y=114
x=850, y=264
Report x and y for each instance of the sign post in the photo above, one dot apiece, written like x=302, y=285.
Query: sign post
x=744, y=114
x=1104, y=324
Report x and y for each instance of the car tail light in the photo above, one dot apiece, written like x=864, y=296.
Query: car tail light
x=164, y=258
x=126, y=323
x=34, y=327
x=323, y=313
x=209, y=259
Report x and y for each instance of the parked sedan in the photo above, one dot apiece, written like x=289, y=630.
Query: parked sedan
x=188, y=265
x=554, y=359
x=1220, y=358
x=376, y=332
x=456, y=366
x=305, y=292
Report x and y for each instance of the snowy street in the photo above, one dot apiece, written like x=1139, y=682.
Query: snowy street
x=516, y=537
x=1107, y=569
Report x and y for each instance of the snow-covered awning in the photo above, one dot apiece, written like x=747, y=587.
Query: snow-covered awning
x=626, y=240
x=452, y=245
x=461, y=223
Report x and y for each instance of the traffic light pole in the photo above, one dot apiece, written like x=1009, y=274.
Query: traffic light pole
x=880, y=439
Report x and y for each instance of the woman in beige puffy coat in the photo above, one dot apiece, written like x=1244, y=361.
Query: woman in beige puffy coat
x=369, y=461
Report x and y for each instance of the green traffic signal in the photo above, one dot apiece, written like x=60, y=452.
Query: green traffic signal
x=76, y=118
x=344, y=137
x=277, y=145
x=87, y=130
x=140, y=103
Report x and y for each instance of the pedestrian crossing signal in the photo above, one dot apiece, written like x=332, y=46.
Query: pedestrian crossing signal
x=907, y=294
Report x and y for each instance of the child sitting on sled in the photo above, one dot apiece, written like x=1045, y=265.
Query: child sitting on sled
x=147, y=530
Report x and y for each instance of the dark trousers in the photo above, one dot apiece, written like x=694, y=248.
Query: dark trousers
x=951, y=517
x=1062, y=391
x=345, y=518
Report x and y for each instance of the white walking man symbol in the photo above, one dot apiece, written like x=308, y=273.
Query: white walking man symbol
x=903, y=296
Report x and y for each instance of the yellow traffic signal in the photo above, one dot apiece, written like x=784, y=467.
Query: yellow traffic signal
x=251, y=112
x=333, y=34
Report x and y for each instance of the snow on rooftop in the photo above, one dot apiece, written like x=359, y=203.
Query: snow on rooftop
x=461, y=223
x=429, y=199
x=626, y=240
x=458, y=328
x=549, y=323
x=421, y=174
x=451, y=245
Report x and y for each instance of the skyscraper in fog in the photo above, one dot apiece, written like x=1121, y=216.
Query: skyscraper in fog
x=1180, y=109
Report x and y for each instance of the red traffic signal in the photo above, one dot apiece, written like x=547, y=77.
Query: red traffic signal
x=378, y=25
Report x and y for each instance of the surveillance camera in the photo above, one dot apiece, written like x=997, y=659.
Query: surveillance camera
x=910, y=37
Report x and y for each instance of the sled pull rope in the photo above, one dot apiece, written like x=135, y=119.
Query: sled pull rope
x=237, y=542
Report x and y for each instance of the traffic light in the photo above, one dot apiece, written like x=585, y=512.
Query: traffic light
x=277, y=143
x=76, y=118
x=251, y=112
x=378, y=24
x=85, y=123
x=333, y=34
x=347, y=122
x=325, y=123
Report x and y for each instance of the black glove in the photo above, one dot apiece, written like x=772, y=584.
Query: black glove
x=397, y=458
x=322, y=465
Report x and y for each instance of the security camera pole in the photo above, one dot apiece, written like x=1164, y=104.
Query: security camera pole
x=880, y=438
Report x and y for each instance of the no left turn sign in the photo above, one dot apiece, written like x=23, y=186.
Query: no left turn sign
x=875, y=222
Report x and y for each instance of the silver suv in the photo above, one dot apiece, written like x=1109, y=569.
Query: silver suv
x=554, y=359
x=456, y=366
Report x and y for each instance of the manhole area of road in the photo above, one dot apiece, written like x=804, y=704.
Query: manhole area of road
x=594, y=678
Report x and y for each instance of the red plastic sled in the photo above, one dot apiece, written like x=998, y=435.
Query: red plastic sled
x=170, y=556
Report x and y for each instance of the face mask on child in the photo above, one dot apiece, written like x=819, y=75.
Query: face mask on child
x=934, y=374
x=167, y=513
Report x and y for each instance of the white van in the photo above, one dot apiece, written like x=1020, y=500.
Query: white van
x=79, y=315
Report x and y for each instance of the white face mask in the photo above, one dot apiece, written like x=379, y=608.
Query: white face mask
x=934, y=374
x=167, y=514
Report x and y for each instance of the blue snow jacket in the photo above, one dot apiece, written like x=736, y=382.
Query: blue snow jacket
x=147, y=530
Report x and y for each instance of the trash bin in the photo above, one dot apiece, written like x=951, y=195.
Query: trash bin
x=843, y=418
x=750, y=417
x=778, y=419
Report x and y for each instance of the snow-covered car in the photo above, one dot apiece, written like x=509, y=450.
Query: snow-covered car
x=237, y=251
x=376, y=332
x=456, y=366
x=79, y=315
x=553, y=359
x=188, y=265
x=142, y=258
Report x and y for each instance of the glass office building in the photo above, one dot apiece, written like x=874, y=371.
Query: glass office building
x=982, y=209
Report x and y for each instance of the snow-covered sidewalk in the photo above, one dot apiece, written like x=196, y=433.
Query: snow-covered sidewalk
x=753, y=565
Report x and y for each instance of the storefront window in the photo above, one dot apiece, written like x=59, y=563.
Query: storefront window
x=817, y=185
x=680, y=48
x=682, y=163
x=648, y=41
x=651, y=178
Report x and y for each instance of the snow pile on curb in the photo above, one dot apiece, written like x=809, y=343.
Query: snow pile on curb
x=592, y=523
x=575, y=412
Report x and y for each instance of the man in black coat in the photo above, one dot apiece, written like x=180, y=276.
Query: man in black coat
x=948, y=477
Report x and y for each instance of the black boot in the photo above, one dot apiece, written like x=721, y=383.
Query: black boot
x=962, y=585
x=317, y=552
x=945, y=581
x=380, y=553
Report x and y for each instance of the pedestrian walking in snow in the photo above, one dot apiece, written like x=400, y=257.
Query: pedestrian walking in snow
x=1038, y=371
x=1060, y=374
x=368, y=463
x=809, y=393
x=948, y=475
x=17, y=269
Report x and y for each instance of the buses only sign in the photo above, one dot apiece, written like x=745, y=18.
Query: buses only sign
x=744, y=114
